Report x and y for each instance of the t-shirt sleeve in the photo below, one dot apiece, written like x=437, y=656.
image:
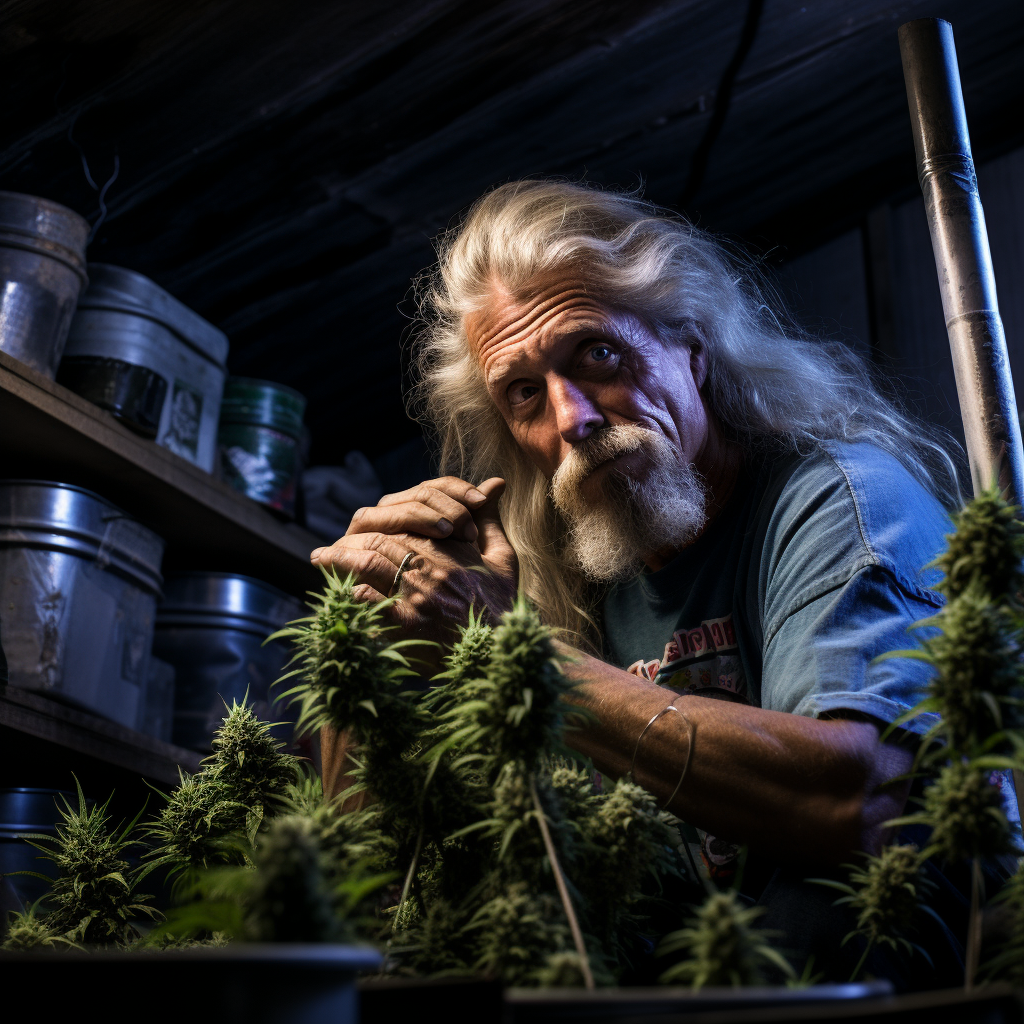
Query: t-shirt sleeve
x=821, y=658
x=843, y=578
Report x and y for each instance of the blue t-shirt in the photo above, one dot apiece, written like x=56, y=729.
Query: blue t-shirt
x=816, y=565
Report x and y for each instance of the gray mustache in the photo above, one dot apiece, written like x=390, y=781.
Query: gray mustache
x=600, y=447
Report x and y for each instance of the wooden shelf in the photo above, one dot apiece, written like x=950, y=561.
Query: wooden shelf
x=51, y=433
x=24, y=713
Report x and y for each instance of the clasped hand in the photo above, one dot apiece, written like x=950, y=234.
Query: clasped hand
x=461, y=557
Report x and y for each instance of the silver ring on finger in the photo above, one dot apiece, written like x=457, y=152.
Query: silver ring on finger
x=397, y=583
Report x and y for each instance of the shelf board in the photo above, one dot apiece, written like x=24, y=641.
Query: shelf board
x=51, y=433
x=35, y=715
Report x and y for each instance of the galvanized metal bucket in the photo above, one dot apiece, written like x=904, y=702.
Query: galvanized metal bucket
x=26, y=809
x=79, y=582
x=125, y=318
x=211, y=626
x=261, y=433
x=42, y=271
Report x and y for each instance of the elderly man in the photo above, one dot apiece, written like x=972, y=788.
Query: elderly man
x=702, y=503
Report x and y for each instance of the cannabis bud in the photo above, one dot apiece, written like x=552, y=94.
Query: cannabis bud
x=192, y=829
x=965, y=813
x=987, y=549
x=979, y=661
x=351, y=675
x=93, y=898
x=248, y=760
x=723, y=946
x=515, y=711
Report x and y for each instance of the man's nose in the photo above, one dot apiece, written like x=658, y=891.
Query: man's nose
x=576, y=414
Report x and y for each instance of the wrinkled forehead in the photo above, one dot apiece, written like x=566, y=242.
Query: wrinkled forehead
x=506, y=318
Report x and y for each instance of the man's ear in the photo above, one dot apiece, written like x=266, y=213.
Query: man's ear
x=698, y=362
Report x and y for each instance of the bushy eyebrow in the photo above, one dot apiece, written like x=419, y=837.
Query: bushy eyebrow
x=575, y=336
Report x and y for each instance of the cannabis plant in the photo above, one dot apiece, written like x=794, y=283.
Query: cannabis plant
x=508, y=853
x=986, y=549
x=965, y=814
x=249, y=762
x=194, y=829
x=212, y=817
x=468, y=657
x=976, y=648
x=30, y=930
x=517, y=932
x=514, y=712
x=887, y=894
x=353, y=675
x=978, y=656
x=723, y=946
x=291, y=891
x=93, y=900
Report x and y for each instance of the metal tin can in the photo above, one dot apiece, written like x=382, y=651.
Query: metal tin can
x=42, y=271
x=260, y=437
x=124, y=317
x=79, y=582
x=211, y=627
x=27, y=809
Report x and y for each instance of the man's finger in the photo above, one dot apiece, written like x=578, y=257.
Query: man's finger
x=370, y=566
x=441, y=518
x=461, y=490
x=365, y=593
x=493, y=543
x=453, y=498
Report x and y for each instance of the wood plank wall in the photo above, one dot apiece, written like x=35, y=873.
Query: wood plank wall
x=876, y=288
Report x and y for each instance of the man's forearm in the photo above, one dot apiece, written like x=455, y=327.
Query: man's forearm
x=791, y=785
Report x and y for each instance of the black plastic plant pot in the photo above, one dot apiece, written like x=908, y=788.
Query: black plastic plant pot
x=396, y=1000
x=389, y=1000
x=237, y=984
x=869, y=1003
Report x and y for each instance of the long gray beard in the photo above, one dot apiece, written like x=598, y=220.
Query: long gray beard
x=665, y=509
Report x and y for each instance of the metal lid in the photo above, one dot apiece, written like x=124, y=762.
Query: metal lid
x=43, y=226
x=61, y=517
x=126, y=291
x=225, y=601
x=263, y=403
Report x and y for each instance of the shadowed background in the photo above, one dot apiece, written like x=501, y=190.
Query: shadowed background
x=282, y=167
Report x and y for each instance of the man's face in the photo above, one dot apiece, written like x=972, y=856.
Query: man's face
x=608, y=413
x=561, y=365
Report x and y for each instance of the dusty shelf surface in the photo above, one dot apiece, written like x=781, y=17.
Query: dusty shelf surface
x=37, y=725
x=50, y=433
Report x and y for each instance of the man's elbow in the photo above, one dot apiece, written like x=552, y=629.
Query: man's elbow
x=857, y=821
x=867, y=788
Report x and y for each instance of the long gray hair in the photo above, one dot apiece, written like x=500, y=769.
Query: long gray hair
x=770, y=388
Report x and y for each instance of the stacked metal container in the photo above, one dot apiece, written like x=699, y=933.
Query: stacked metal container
x=154, y=363
x=79, y=584
x=212, y=628
x=42, y=271
x=80, y=580
x=261, y=441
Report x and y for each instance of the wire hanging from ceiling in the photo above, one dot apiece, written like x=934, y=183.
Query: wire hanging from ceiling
x=723, y=98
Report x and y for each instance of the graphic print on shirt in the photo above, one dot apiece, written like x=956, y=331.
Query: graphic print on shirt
x=705, y=657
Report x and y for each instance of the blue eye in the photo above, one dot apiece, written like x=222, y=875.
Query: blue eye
x=600, y=352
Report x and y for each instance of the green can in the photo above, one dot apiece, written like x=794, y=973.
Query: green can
x=260, y=440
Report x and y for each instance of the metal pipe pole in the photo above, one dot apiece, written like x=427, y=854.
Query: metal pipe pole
x=956, y=222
